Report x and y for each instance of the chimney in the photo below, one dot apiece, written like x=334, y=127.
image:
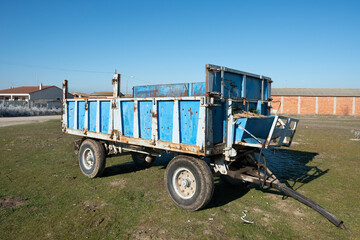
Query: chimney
x=40, y=86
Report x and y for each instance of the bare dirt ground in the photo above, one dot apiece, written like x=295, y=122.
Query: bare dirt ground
x=8, y=121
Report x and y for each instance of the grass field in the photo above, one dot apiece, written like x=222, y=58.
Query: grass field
x=43, y=194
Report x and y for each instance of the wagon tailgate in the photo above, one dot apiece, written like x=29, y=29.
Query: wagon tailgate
x=284, y=131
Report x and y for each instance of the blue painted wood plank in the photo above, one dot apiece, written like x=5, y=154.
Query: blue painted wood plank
x=104, y=116
x=127, y=118
x=259, y=126
x=189, y=118
x=253, y=88
x=163, y=90
x=80, y=115
x=233, y=85
x=218, y=123
x=239, y=126
x=92, y=109
x=197, y=89
x=70, y=114
x=165, y=112
x=145, y=119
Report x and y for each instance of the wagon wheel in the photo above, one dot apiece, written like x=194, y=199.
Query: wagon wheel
x=189, y=182
x=92, y=158
x=142, y=160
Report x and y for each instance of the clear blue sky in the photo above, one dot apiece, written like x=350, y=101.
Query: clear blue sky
x=296, y=43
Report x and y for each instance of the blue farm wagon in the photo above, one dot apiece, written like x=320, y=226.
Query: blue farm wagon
x=225, y=119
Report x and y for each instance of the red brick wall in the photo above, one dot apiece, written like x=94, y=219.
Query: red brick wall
x=357, y=106
x=290, y=105
x=326, y=105
x=307, y=105
x=344, y=105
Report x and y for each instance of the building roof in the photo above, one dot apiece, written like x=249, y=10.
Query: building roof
x=321, y=92
x=23, y=90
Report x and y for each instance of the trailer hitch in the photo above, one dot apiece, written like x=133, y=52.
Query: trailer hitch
x=252, y=175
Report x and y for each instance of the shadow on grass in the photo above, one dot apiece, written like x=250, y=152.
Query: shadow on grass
x=225, y=193
x=290, y=166
x=129, y=167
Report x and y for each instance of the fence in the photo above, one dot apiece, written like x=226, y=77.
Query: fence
x=34, y=108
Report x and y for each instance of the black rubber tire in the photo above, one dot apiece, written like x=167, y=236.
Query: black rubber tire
x=203, y=178
x=97, y=150
x=142, y=160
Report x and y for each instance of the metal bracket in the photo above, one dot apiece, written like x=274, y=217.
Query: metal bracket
x=113, y=105
x=220, y=165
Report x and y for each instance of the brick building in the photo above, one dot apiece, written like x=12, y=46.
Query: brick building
x=326, y=101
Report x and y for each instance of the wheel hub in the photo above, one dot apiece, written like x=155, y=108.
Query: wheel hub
x=88, y=159
x=184, y=183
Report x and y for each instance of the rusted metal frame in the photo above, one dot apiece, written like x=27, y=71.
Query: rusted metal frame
x=261, y=155
x=222, y=84
x=255, y=145
x=154, y=123
x=136, y=119
x=161, y=145
x=98, y=115
x=76, y=114
x=160, y=98
x=217, y=68
x=116, y=85
x=203, y=138
x=118, y=116
x=207, y=80
x=86, y=120
x=117, y=148
x=275, y=183
x=229, y=151
x=219, y=164
x=262, y=89
x=269, y=90
x=176, y=123
x=115, y=132
x=217, y=149
x=244, y=86
x=65, y=89
x=111, y=115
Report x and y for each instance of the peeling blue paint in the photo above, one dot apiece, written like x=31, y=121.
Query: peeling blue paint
x=189, y=118
x=165, y=111
x=145, y=119
x=81, y=115
x=127, y=117
x=104, y=116
x=92, y=115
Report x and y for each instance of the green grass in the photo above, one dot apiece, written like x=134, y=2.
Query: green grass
x=37, y=163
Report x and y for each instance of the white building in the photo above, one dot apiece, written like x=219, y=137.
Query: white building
x=34, y=94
